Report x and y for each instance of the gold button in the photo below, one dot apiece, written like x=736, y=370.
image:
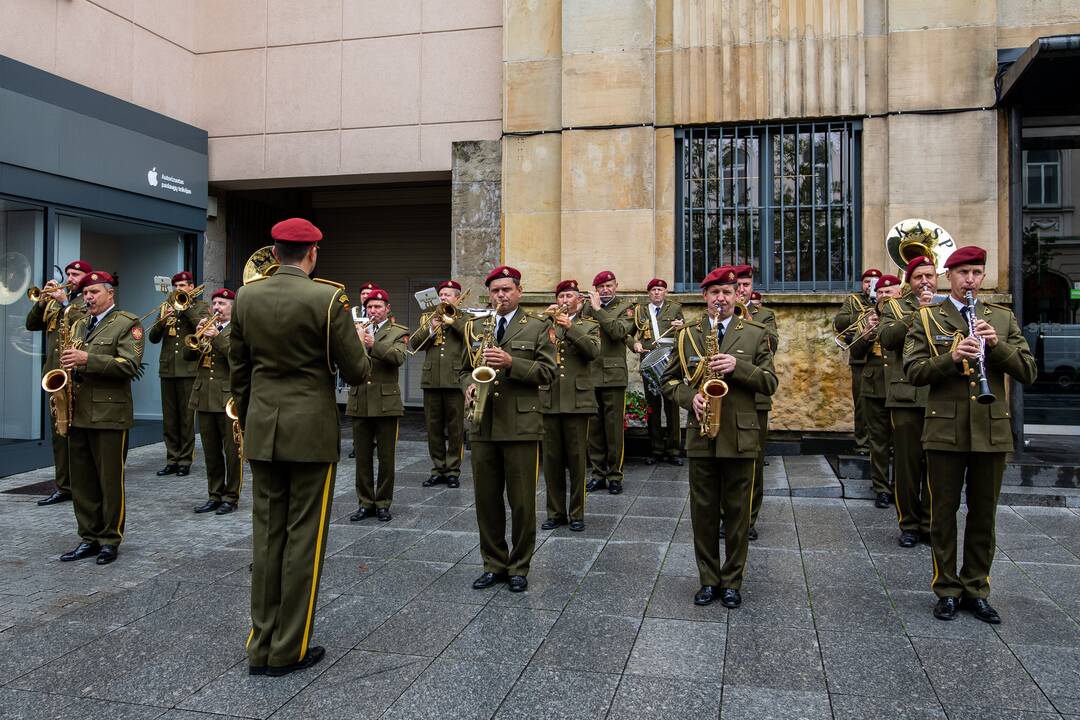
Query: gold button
x=972, y=383
x=496, y=394
x=496, y=382
x=562, y=375
x=933, y=412
x=368, y=382
x=886, y=364
x=972, y=397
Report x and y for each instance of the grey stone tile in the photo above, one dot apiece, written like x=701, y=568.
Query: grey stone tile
x=776, y=658
x=979, y=674
x=1056, y=671
x=584, y=641
x=885, y=541
x=209, y=568
x=1059, y=582
x=962, y=712
x=455, y=586
x=613, y=593
x=851, y=707
x=657, y=507
x=597, y=527
x=557, y=694
x=830, y=537
x=680, y=560
x=827, y=569
x=916, y=611
x=761, y=703
x=632, y=558
x=450, y=689
x=817, y=511
x=1035, y=548
x=1032, y=621
x=854, y=609
x=421, y=628
x=773, y=605
x=26, y=705
x=673, y=597
x=23, y=649
x=605, y=504
x=775, y=565
x=854, y=662
x=343, y=535
x=684, y=531
x=346, y=620
x=906, y=572
x=452, y=498
x=679, y=649
x=359, y=686
x=668, y=489
x=421, y=517
x=383, y=543
x=1052, y=521
x=400, y=579
x=776, y=510
x=567, y=555
x=343, y=571
x=649, y=529
x=464, y=522
x=443, y=546
x=678, y=699
x=503, y=634
x=866, y=515
x=548, y=590
x=774, y=535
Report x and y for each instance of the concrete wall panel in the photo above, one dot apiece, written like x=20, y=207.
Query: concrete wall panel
x=920, y=15
x=532, y=29
x=532, y=95
x=608, y=169
x=443, y=15
x=303, y=87
x=531, y=172
x=612, y=240
x=375, y=150
x=608, y=88
x=949, y=68
x=303, y=154
x=380, y=81
x=237, y=158
x=290, y=22
x=232, y=25
x=375, y=18
x=231, y=92
x=617, y=25
x=94, y=47
x=174, y=21
x=436, y=141
x=20, y=32
x=462, y=76
x=164, y=79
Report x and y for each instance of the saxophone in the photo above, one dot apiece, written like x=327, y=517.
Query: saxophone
x=713, y=388
x=482, y=374
x=233, y=413
x=58, y=383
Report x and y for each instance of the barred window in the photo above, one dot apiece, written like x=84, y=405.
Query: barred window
x=781, y=197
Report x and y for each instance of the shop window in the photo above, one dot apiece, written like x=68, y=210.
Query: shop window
x=1042, y=178
x=780, y=197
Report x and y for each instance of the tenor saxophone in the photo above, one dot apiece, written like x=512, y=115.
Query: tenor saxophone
x=713, y=388
x=58, y=383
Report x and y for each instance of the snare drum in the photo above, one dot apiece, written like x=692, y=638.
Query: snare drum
x=654, y=365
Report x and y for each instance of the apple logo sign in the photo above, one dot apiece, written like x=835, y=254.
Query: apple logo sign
x=151, y=176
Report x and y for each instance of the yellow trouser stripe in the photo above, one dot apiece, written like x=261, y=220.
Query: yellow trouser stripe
x=318, y=556
x=251, y=635
x=123, y=494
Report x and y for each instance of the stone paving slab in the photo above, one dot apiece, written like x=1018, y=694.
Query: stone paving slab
x=836, y=621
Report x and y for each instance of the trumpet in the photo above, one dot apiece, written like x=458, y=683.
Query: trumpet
x=713, y=388
x=178, y=300
x=35, y=292
x=198, y=340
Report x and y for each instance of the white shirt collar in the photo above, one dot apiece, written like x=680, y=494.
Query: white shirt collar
x=960, y=304
x=103, y=314
x=508, y=316
x=725, y=323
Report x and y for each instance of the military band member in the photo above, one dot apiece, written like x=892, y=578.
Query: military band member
x=365, y=290
x=965, y=440
x=506, y=442
x=46, y=315
x=721, y=468
x=209, y=394
x=376, y=409
x=290, y=336
x=567, y=404
x=606, y=441
x=177, y=375
x=103, y=367
x=907, y=404
x=655, y=324
x=762, y=402
x=853, y=306
x=444, y=405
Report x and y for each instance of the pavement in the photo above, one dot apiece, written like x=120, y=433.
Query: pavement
x=836, y=620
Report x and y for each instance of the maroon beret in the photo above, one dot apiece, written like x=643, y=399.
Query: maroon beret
x=377, y=294
x=755, y=295
x=724, y=275
x=871, y=272
x=452, y=284
x=224, y=293
x=743, y=271
x=917, y=262
x=888, y=281
x=297, y=230
x=182, y=276
x=656, y=282
x=96, y=277
x=602, y=277
x=567, y=285
x=503, y=271
x=79, y=265
x=967, y=255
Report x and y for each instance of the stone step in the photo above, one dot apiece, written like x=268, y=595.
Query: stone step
x=851, y=467
x=812, y=476
x=1042, y=475
x=1010, y=494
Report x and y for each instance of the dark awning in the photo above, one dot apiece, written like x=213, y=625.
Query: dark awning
x=1043, y=79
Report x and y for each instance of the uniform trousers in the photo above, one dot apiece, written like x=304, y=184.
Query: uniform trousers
x=60, y=460
x=178, y=420
x=879, y=432
x=224, y=469
x=720, y=489
x=862, y=439
x=758, y=495
x=97, y=460
x=290, y=516
x=371, y=436
x=444, y=416
x=909, y=470
x=510, y=468
x=947, y=473
x=565, y=440
x=606, y=434
x=663, y=441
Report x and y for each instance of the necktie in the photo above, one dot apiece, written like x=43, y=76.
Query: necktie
x=656, y=312
x=501, y=329
x=91, y=325
x=719, y=334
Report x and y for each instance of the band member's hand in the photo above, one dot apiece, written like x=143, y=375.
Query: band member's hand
x=699, y=406
x=594, y=299
x=436, y=321
x=73, y=358
x=872, y=320
x=562, y=320
x=367, y=338
x=678, y=324
x=498, y=358
x=169, y=312
x=722, y=363
x=52, y=291
x=926, y=297
x=638, y=348
x=987, y=332
x=470, y=393
x=210, y=331
x=968, y=349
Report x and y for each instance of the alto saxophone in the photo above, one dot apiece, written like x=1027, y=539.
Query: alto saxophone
x=482, y=375
x=713, y=388
x=58, y=383
x=233, y=413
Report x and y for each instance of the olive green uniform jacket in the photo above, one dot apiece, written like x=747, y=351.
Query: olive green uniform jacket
x=172, y=363
x=380, y=394
x=211, y=391
x=571, y=387
x=853, y=306
x=897, y=317
x=47, y=317
x=442, y=360
x=616, y=323
x=103, y=387
x=642, y=330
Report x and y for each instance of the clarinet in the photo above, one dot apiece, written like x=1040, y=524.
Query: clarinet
x=985, y=396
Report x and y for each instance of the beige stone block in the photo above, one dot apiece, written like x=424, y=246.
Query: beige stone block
x=937, y=157
x=94, y=47
x=531, y=243
x=532, y=95
x=380, y=80
x=665, y=169
x=230, y=88
x=920, y=15
x=1018, y=37
x=875, y=161
x=303, y=87
x=436, y=141
x=615, y=25
x=531, y=172
x=237, y=158
x=877, y=74
x=164, y=77
x=173, y=21
x=614, y=240
x=1020, y=13
x=290, y=22
x=875, y=17
x=942, y=68
x=380, y=150
x=303, y=154
x=443, y=15
x=610, y=88
x=665, y=88
x=665, y=24
x=664, y=252
x=608, y=169
x=21, y=37
x=532, y=29
x=375, y=18
x=232, y=25
x=462, y=78
x=874, y=231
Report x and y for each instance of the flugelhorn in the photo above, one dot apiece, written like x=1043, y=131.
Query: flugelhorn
x=178, y=300
x=35, y=292
x=198, y=340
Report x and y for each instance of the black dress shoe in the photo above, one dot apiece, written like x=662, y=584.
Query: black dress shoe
x=313, y=656
x=169, y=469
x=487, y=579
x=705, y=595
x=58, y=496
x=884, y=500
x=360, y=514
x=107, y=555
x=615, y=487
x=730, y=598
x=651, y=460
x=383, y=514
x=453, y=482
x=577, y=525
x=981, y=609
x=183, y=470
x=208, y=506
x=551, y=524
x=908, y=539
x=518, y=583
x=595, y=484
x=256, y=669
x=82, y=550
x=752, y=533
x=226, y=508
x=946, y=608
x=433, y=480
x=676, y=460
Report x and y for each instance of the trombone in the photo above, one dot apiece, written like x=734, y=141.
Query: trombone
x=35, y=292
x=198, y=340
x=841, y=338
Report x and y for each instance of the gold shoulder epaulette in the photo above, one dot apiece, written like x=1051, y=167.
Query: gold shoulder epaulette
x=399, y=326
x=126, y=314
x=999, y=306
x=587, y=319
x=751, y=322
x=324, y=281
